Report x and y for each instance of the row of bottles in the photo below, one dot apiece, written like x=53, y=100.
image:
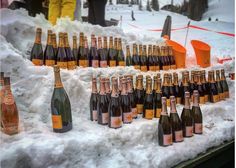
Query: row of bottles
x=8, y=110
x=100, y=54
x=172, y=128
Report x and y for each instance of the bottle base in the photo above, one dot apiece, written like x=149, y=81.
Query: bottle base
x=64, y=129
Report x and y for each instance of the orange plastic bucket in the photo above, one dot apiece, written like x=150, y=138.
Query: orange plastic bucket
x=202, y=52
x=179, y=53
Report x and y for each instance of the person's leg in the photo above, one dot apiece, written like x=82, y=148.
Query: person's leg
x=68, y=8
x=99, y=10
x=54, y=11
x=91, y=14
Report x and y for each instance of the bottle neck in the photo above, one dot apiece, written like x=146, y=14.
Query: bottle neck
x=61, y=41
x=94, y=86
x=195, y=100
x=164, y=108
x=38, y=38
x=123, y=90
x=187, y=103
x=134, y=50
x=81, y=39
x=58, y=83
x=149, y=88
x=111, y=43
x=115, y=92
x=67, y=42
x=94, y=42
x=99, y=43
x=105, y=43
x=139, y=84
x=217, y=76
x=176, y=81
x=127, y=52
x=222, y=75
x=130, y=87
x=74, y=42
x=165, y=82
x=54, y=41
x=150, y=51
x=140, y=51
x=107, y=86
x=102, y=88
x=173, y=106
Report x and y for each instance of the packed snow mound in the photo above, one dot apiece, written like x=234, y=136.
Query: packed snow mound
x=88, y=144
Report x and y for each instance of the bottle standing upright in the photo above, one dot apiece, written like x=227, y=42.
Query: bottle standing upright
x=49, y=55
x=197, y=114
x=224, y=84
x=9, y=113
x=164, y=126
x=60, y=106
x=93, y=101
x=36, y=55
x=61, y=53
x=128, y=57
x=148, y=112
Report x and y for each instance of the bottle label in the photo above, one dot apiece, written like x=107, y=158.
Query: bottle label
x=221, y=96
x=206, y=98
x=149, y=114
x=62, y=65
x=37, y=62
x=189, y=131
x=157, y=68
x=105, y=117
x=140, y=108
x=116, y=122
x=198, y=128
x=168, y=102
x=95, y=115
x=202, y=100
x=134, y=112
x=136, y=67
x=178, y=136
x=56, y=121
x=121, y=63
x=158, y=112
x=226, y=94
x=9, y=99
x=50, y=62
x=71, y=65
x=83, y=63
x=112, y=63
x=94, y=63
x=215, y=98
x=173, y=67
x=166, y=67
x=167, y=139
x=152, y=68
x=103, y=64
x=178, y=100
x=144, y=68
x=127, y=117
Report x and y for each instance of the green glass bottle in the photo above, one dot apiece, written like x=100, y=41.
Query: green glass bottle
x=37, y=56
x=128, y=57
x=60, y=106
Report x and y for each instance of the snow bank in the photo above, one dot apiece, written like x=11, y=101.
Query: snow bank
x=88, y=144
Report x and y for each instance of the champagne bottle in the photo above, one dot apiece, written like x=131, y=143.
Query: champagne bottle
x=75, y=50
x=186, y=117
x=150, y=59
x=85, y=54
x=36, y=55
x=105, y=48
x=192, y=85
x=49, y=51
x=132, y=98
x=111, y=53
x=197, y=114
x=139, y=94
x=135, y=57
x=171, y=86
x=60, y=106
x=166, y=89
x=148, y=102
x=94, y=54
x=205, y=86
x=120, y=54
x=157, y=98
x=127, y=116
x=102, y=104
x=102, y=54
x=143, y=59
x=54, y=43
x=219, y=86
x=157, y=58
x=213, y=93
x=71, y=64
x=165, y=58
x=81, y=50
x=128, y=57
x=9, y=113
x=116, y=48
x=164, y=126
x=176, y=125
x=81, y=41
x=224, y=84
x=108, y=89
x=171, y=58
x=93, y=101
x=115, y=111
x=161, y=57
x=177, y=88
x=200, y=89
x=61, y=54
x=185, y=86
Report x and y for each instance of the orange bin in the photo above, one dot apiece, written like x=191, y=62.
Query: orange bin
x=179, y=53
x=202, y=52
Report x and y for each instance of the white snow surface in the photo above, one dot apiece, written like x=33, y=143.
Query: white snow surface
x=90, y=144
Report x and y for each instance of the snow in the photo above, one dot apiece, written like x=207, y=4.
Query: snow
x=90, y=144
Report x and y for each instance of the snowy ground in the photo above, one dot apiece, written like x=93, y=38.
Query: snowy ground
x=89, y=144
